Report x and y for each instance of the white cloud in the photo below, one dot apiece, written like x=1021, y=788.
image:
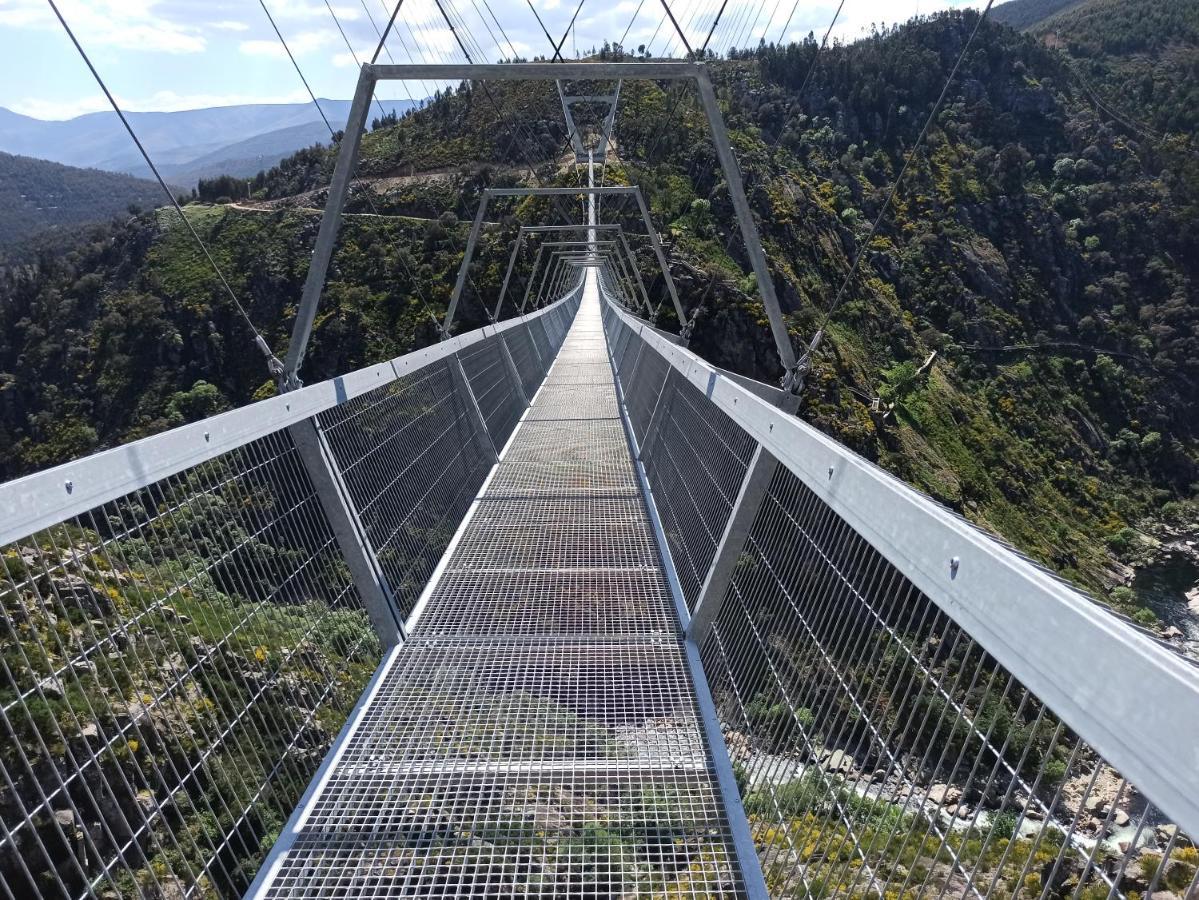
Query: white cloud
x=125, y=24
x=229, y=25
x=300, y=44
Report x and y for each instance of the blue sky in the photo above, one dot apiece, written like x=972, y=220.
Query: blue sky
x=186, y=54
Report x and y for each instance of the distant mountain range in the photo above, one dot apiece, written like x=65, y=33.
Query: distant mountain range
x=186, y=145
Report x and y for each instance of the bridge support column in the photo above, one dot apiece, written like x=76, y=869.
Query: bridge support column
x=749, y=231
x=754, y=485
x=326, y=236
x=353, y=542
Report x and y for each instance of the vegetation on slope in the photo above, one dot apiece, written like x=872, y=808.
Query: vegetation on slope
x=1139, y=61
x=36, y=195
x=1044, y=251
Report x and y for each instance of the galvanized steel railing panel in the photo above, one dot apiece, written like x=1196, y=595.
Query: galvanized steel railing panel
x=913, y=709
x=182, y=632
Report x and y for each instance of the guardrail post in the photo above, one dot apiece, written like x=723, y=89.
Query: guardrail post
x=516, y=245
x=754, y=485
x=655, y=418
x=352, y=540
x=462, y=385
x=512, y=370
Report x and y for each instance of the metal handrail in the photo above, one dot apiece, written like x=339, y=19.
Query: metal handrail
x=1048, y=635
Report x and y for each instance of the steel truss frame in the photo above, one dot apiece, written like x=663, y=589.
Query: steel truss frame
x=351, y=142
x=610, y=190
x=626, y=257
x=600, y=152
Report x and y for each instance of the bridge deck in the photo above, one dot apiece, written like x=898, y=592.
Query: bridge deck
x=538, y=734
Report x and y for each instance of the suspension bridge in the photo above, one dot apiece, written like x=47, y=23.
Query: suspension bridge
x=555, y=608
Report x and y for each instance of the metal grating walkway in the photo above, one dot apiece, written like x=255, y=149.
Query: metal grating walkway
x=538, y=735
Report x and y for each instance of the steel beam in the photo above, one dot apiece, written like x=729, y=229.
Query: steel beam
x=535, y=71
x=649, y=309
x=516, y=245
x=754, y=485
x=656, y=243
x=616, y=190
x=326, y=236
x=576, y=139
x=475, y=227
x=520, y=237
x=510, y=363
x=370, y=74
x=609, y=124
x=749, y=229
x=338, y=506
x=631, y=263
x=607, y=190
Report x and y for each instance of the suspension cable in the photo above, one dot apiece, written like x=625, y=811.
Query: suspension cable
x=815, y=56
x=273, y=363
x=545, y=30
x=386, y=31
x=715, y=22
x=350, y=47
x=675, y=23
x=624, y=37
x=566, y=33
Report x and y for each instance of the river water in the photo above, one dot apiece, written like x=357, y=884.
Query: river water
x=1162, y=586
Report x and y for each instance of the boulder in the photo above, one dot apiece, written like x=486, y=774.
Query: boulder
x=1170, y=832
x=943, y=794
x=1119, y=818
x=52, y=689
x=838, y=761
x=65, y=818
x=74, y=589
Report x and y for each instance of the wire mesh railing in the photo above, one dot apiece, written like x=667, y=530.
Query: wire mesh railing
x=187, y=621
x=911, y=708
x=539, y=734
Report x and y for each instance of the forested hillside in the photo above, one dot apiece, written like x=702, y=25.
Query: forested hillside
x=1045, y=251
x=1139, y=61
x=36, y=195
